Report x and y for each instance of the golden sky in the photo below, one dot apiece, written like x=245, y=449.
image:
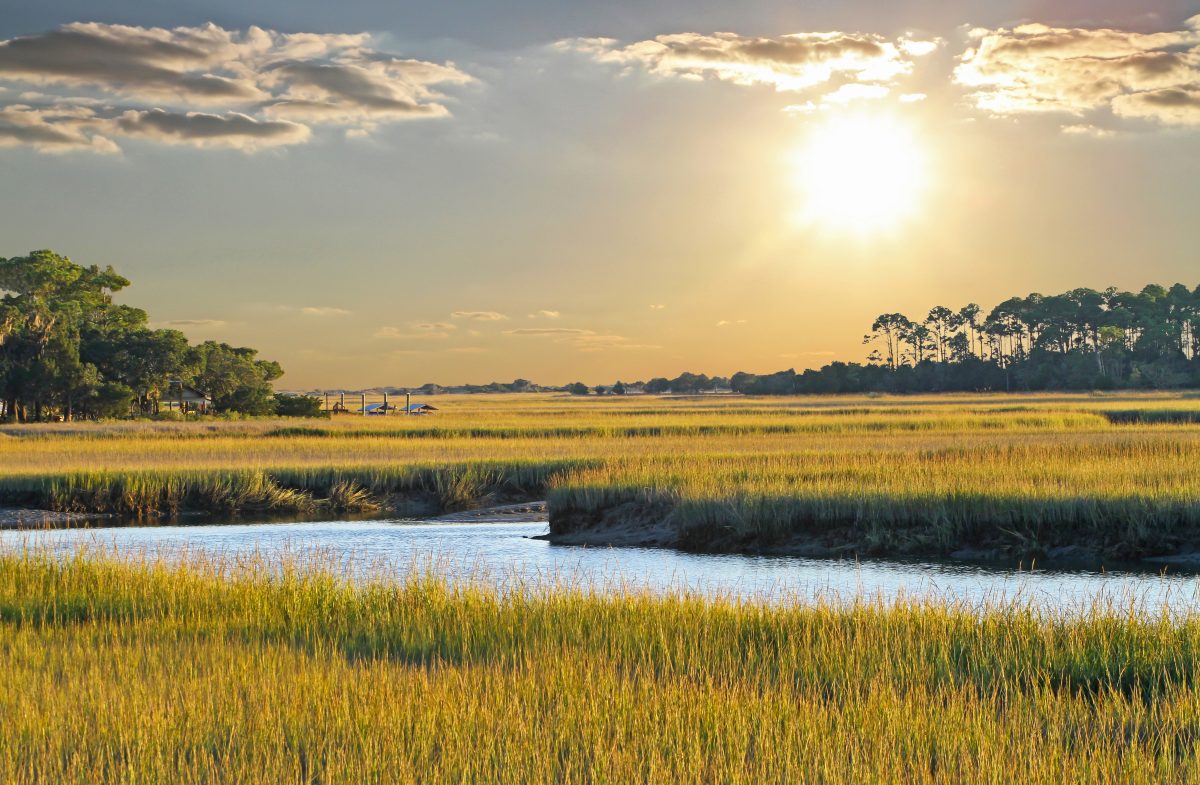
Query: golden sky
x=597, y=195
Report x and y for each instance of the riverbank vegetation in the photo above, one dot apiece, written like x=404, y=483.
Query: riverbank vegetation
x=210, y=671
x=1016, y=476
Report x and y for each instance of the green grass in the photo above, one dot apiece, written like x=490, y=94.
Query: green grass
x=140, y=672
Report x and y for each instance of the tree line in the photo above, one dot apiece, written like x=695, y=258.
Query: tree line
x=1079, y=340
x=67, y=350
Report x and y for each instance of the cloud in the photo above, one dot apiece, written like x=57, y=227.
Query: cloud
x=62, y=129
x=657, y=306
x=1084, y=129
x=479, y=316
x=1175, y=106
x=581, y=339
x=1037, y=68
x=347, y=93
x=323, y=310
x=848, y=93
x=600, y=343
x=728, y=322
x=794, y=62
x=208, y=86
x=433, y=326
x=234, y=130
x=193, y=323
x=545, y=314
x=398, y=334
x=549, y=331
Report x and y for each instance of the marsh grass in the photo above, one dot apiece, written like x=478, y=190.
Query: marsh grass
x=128, y=670
x=916, y=474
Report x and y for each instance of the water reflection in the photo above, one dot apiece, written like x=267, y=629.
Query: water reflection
x=505, y=554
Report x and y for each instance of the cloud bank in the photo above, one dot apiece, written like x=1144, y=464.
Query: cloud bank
x=206, y=86
x=1037, y=68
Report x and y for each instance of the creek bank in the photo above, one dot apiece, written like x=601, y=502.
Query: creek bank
x=417, y=506
x=655, y=525
x=30, y=518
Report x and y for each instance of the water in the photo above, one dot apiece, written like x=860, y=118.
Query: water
x=506, y=553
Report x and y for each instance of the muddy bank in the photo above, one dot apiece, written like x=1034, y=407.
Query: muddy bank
x=490, y=508
x=633, y=524
x=524, y=512
x=21, y=518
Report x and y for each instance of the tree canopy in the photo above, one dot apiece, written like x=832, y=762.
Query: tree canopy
x=1078, y=340
x=66, y=349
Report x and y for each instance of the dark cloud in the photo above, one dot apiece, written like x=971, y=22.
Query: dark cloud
x=231, y=130
x=211, y=87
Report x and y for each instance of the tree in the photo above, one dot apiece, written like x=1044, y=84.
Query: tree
x=234, y=379
x=49, y=300
x=297, y=405
x=618, y=388
x=657, y=386
x=942, y=324
x=889, y=328
x=577, y=388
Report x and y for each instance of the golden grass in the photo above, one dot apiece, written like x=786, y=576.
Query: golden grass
x=921, y=474
x=211, y=672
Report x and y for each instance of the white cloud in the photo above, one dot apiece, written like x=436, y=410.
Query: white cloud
x=1084, y=129
x=207, y=86
x=1173, y=106
x=912, y=98
x=795, y=62
x=729, y=322
x=657, y=306
x=543, y=314
x=66, y=128
x=479, y=316
x=853, y=91
x=1037, y=68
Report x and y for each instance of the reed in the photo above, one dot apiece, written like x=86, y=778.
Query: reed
x=140, y=670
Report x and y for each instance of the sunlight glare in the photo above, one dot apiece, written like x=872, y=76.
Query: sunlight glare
x=860, y=174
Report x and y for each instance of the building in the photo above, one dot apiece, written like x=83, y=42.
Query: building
x=179, y=397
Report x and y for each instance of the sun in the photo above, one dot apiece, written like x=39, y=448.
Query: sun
x=860, y=174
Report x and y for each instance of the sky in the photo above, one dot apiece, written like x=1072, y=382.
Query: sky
x=390, y=193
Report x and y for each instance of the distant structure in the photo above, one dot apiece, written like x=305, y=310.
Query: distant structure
x=184, y=399
x=382, y=408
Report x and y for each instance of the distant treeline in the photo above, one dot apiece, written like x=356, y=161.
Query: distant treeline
x=1079, y=340
x=68, y=351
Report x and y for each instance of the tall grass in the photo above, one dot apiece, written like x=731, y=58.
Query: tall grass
x=918, y=475
x=128, y=672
